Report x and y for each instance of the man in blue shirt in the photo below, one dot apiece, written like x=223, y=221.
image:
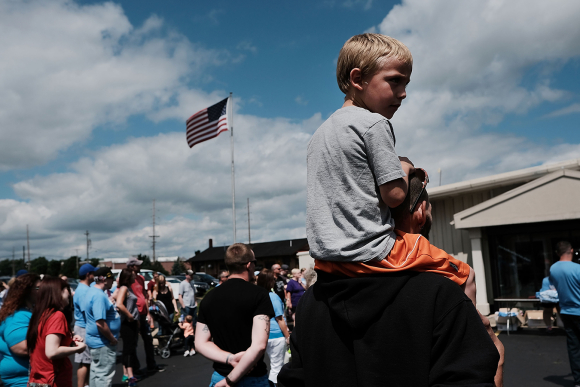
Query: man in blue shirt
x=565, y=276
x=87, y=276
x=103, y=324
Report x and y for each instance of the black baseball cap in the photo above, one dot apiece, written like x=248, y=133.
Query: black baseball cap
x=104, y=272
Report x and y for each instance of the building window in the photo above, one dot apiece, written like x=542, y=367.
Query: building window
x=521, y=255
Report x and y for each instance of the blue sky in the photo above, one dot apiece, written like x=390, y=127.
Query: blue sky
x=95, y=97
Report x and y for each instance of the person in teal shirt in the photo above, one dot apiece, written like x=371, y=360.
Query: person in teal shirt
x=14, y=318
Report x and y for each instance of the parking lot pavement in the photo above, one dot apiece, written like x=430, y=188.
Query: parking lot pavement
x=191, y=371
x=533, y=358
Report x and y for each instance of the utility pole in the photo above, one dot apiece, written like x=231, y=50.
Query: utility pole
x=28, y=244
x=440, y=177
x=153, y=236
x=249, y=236
x=13, y=263
x=24, y=255
x=77, y=259
x=88, y=244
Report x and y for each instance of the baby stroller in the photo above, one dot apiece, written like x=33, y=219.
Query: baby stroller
x=169, y=335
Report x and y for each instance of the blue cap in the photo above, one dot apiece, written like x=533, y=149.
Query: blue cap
x=86, y=269
x=21, y=272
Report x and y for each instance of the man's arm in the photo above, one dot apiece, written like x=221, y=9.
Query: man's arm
x=206, y=347
x=260, y=333
x=283, y=328
x=105, y=331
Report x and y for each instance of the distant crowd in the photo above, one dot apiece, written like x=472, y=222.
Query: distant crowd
x=43, y=322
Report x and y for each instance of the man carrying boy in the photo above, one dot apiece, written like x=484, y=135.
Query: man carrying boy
x=397, y=329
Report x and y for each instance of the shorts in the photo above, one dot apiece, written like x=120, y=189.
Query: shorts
x=246, y=381
x=85, y=356
x=549, y=305
x=410, y=252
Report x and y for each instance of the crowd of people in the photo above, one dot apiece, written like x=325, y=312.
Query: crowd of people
x=42, y=323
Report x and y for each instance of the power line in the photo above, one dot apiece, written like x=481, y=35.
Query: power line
x=153, y=236
x=88, y=243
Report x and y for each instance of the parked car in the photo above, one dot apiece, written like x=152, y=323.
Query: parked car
x=199, y=286
x=208, y=279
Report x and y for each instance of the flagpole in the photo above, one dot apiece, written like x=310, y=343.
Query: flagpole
x=230, y=106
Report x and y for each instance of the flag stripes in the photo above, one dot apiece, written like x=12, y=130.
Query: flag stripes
x=207, y=123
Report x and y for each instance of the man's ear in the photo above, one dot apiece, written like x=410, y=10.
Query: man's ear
x=421, y=213
x=356, y=78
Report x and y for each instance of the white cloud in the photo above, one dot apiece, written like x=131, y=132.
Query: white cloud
x=110, y=194
x=574, y=108
x=300, y=100
x=81, y=66
x=247, y=45
x=469, y=62
x=67, y=68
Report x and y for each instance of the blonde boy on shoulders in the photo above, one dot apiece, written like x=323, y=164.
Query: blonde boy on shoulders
x=354, y=174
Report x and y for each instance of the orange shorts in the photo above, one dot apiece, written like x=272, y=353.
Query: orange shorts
x=410, y=252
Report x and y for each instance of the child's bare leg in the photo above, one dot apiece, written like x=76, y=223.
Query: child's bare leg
x=469, y=286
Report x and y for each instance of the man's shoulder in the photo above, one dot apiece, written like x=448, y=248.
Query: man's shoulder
x=565, y=268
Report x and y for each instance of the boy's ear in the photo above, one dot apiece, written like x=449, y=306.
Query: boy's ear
x=356, y=78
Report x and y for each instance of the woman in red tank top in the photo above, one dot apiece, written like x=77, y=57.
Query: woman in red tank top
x=49, y=337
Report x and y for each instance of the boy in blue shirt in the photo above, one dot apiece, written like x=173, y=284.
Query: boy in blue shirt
x=103, y=325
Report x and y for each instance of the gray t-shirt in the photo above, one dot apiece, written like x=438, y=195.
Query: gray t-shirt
x=349, y=157
x=188, y=294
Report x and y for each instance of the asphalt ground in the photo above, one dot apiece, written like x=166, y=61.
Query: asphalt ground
x=533, y=358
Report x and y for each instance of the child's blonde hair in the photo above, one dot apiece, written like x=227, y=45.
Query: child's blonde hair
x=367, y=52
x=189, y=319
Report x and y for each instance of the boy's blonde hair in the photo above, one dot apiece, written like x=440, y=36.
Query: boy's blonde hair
x=367, y=52
x=189, y=319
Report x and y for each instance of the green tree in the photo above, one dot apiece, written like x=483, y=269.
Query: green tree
x=95, y=262
x=157, y=266
x=39, y=265
x=178, y=267
x=6, y=266
x=53, y=268
x=146, y=261
x=69, y=267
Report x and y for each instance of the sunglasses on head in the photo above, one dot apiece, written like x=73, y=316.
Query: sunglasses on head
x=422, y=174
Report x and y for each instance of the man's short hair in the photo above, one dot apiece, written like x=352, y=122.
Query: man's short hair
x=368, y=52
x=562, y=248
x=237, y=256
x=415, y=187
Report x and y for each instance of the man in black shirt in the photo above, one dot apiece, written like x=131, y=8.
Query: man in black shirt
x=236, y=315
x=280, y=284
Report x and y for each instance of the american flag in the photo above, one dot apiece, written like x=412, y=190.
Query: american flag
x=207, y=123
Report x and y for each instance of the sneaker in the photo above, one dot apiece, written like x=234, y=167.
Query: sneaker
x=125, y=379
x=156, y=368
x=192, y=352
x=132, y=382
x=186, y=354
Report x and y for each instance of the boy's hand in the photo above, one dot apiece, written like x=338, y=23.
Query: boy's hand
x=407, y=165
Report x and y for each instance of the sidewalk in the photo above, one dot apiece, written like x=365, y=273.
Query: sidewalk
x=534, y=358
